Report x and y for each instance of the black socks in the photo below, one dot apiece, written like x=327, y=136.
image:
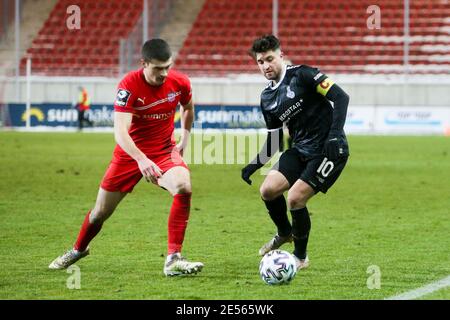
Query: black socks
x=301, y=224
x=278, y=212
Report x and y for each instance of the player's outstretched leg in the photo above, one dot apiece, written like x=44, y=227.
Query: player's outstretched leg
x=92, y=224
x=87, y=233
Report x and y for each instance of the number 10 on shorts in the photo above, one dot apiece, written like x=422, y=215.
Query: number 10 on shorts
x=325, y=167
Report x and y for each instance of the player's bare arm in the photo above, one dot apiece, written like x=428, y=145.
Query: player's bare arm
x=122, y=123
x=187, y=118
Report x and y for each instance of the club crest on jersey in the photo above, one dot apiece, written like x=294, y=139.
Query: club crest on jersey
x=122, y=97
x=171, y=96
x=290, y=94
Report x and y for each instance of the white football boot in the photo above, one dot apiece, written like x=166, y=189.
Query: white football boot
x=274, y=243
x=176, y=265
x=67, y=259
x=301, y=263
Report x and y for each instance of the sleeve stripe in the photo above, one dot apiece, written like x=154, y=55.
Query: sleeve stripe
x=271, y=130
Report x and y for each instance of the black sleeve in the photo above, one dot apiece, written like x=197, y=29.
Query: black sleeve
x=274, y=142
x=271, y=121
x=340, y=99
x=311, y=76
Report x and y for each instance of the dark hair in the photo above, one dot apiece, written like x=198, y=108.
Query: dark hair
x=157, y=49
x=263, y=44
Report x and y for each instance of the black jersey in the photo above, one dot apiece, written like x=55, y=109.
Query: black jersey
x=295, y=101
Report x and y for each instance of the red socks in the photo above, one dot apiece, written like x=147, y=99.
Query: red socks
x=178, y=219
x=87, y=233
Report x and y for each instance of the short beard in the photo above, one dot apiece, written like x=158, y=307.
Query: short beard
x=274, y=77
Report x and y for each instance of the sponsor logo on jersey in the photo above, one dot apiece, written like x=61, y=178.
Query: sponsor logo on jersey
x=122, y=97
x=157, y=116
x=291, y=111
x=293, y=66
x=290, y=94
x=317, y=76
x=141, y=100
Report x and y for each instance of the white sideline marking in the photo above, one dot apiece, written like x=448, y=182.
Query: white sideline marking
x=417, y=293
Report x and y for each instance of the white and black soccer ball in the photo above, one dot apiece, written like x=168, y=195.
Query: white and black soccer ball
x=277, y=267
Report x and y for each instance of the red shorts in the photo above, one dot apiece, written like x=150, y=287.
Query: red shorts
x=123, y=173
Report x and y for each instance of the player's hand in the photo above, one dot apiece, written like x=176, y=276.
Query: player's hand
x=182, y=144
x=149, y=170
x=331, y=148
x=180, y=147
x=248, y=171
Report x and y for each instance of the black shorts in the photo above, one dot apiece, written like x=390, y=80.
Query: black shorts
x=319, y=173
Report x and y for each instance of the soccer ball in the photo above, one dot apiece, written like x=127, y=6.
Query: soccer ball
x=277, y=267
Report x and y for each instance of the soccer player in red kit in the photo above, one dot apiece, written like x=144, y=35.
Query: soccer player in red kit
x=144, y=131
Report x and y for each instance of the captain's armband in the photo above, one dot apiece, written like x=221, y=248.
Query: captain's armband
x=324, y=86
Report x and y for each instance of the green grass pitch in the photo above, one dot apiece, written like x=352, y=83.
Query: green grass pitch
x=389, y=209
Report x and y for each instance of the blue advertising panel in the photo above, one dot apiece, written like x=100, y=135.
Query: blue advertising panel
x=229, y=117
x=64, y=115
x=54, y=115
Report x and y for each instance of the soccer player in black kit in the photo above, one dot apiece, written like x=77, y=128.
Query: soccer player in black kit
x=298, y=96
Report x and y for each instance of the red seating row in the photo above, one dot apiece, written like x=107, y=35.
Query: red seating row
x=92, y=48
x=330, y=33
x=123, y=6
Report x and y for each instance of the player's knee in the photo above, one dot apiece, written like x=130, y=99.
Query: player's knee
x=267, y=192
x=296, y=200
x=99, y=214
x=96, y=218
x=183, y=187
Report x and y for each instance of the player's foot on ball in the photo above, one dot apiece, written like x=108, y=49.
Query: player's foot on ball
x=176, y=265
x=67, y=259
x=274, y=243
x=301, y=263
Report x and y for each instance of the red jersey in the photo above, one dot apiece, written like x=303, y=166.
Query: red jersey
x=153, y=109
